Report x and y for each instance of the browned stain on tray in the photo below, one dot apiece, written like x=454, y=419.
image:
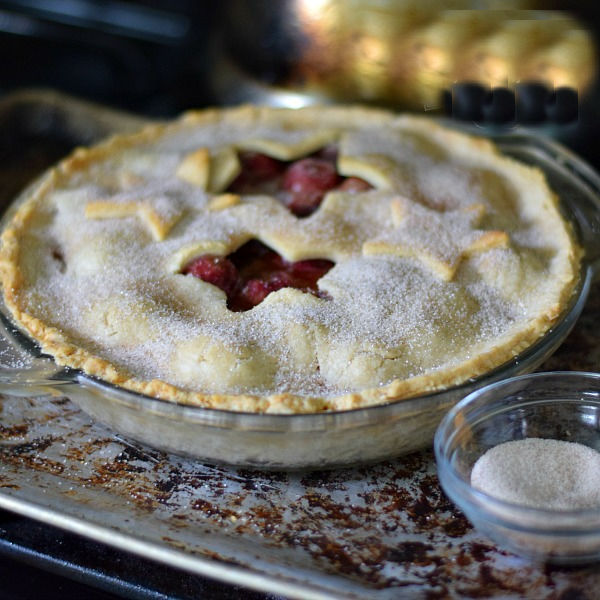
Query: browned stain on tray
x=14, y=431
x=384, y=526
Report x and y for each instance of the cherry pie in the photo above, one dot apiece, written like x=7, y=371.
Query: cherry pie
x=275, y=260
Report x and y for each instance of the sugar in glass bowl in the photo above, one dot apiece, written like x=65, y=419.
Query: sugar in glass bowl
x=561, y=406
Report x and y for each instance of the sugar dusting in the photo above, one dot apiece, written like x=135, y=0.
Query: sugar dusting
x=541, y=473
x=115, y=298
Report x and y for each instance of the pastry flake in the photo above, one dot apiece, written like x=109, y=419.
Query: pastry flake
x=289, y=144
x=195, y=168
x=223, y=201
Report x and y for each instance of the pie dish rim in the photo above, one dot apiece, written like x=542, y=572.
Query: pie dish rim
x=289, y=437
x=404, y=398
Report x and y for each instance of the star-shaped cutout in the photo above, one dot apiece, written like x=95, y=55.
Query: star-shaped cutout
x=292, y=145
x=214, y=169
x=440, y=240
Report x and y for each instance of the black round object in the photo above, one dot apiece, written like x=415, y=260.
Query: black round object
x=562, y=105
x=467, y=101
x=499, y=106
x=531, y=99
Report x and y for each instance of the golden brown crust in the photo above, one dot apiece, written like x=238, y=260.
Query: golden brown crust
x=477, y=252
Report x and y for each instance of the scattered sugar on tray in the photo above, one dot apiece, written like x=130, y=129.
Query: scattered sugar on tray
x=540, y=473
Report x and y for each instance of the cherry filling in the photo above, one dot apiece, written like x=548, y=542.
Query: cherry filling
x=253, y=271
x=307, y=181
x=215, y=269
x=300, y=184
x=258, y=170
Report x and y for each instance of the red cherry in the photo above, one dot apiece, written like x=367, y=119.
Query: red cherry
x=308, y=180
x=310, y=175
x=254, y=270
x=253, y=293
x=311, y=270
x=255, y=290
x=256, y=169
x=260, y=166
x=254, y=260
x=214, y=269
x=303, y=205
x=280, y=279
x=354, y=184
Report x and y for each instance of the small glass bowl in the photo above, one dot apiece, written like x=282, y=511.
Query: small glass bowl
x=560, y=405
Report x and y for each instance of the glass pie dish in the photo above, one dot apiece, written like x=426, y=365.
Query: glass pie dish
x=321, y=439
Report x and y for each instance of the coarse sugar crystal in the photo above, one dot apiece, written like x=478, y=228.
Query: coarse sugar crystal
x=540, y=473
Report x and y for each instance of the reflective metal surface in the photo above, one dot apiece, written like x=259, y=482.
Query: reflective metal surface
x=381, y=532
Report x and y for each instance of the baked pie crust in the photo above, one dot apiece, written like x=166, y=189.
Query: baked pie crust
x=454, y=261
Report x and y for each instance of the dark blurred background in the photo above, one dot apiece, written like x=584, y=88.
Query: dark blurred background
x=159, y=57
x=505, y=64
x=162, y=56
x=147, y=57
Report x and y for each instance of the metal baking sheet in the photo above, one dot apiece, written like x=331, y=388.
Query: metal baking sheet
x=384, y=531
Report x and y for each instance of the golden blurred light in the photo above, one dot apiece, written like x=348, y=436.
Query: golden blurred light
x=569, y=61
x=373, y=49
x=406, y=52
x=311, y=9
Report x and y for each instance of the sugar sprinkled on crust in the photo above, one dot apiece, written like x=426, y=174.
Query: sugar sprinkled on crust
x=391, y=326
